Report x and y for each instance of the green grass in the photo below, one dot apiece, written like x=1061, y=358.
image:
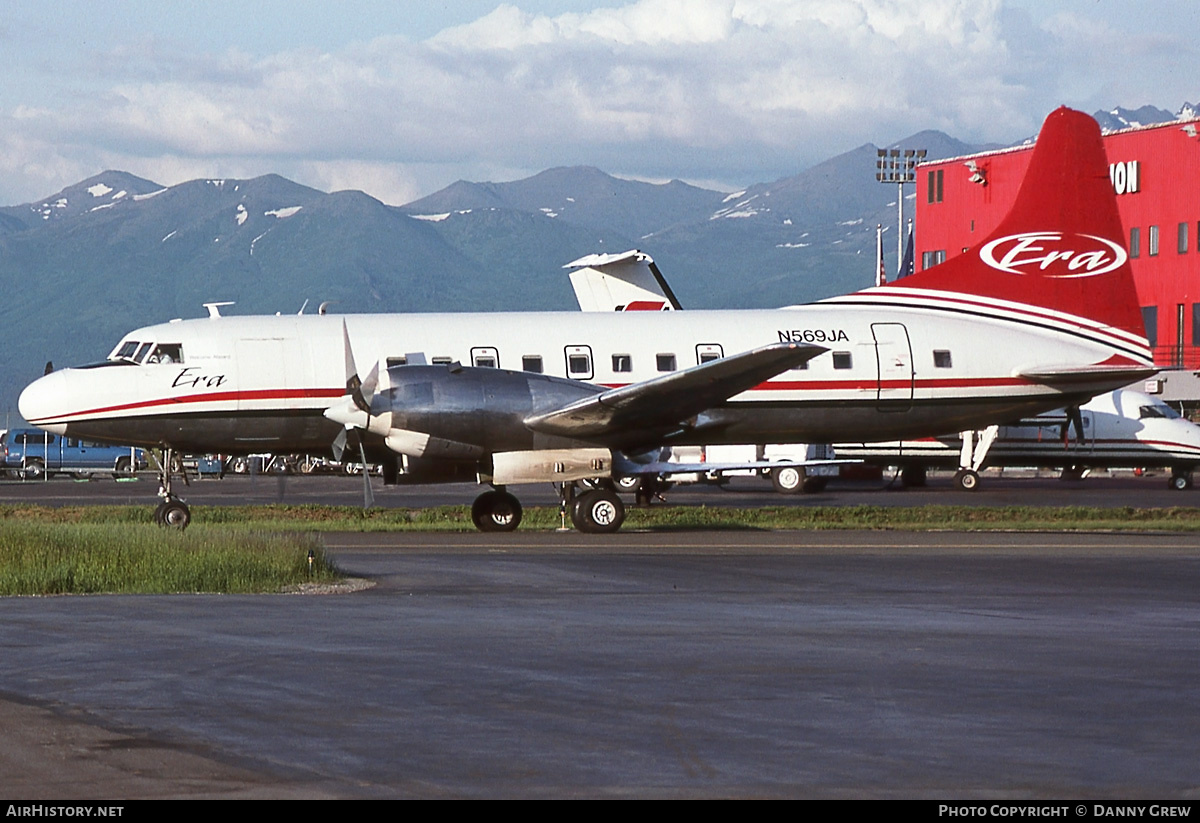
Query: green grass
x=249, y=520
x=241, y=549
x=45, y=557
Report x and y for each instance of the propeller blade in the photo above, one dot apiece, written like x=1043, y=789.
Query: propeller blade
x=339, y=445
x=368, y=495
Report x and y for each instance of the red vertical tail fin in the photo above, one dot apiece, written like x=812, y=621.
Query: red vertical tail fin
x=1061, y=246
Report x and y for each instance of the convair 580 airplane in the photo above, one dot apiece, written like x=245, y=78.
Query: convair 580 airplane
x=1041, y=315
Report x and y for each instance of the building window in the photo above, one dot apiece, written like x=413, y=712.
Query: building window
x=941, y=358
x=666, y=362
x=402, y=360
x=936, y=181
x=1183, y=238
x=1135, y=242
x=841, y=360
x=531, y=363
x=1150, y=321
x=929, y=259
x=1152, y=241
x=1196, y=324
x=622, y=362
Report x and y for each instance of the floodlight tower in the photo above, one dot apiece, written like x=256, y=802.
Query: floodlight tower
x=894, y=167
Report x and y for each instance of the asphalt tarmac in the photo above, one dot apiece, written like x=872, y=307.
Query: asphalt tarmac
x=685, y=664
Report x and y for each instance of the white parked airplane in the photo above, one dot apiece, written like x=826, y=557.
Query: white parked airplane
x=1118, y=429
x=1043, y=314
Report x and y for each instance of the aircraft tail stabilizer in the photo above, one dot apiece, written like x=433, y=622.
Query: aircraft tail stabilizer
x=1061, y=246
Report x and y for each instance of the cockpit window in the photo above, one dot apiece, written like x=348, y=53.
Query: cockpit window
x=1158, y=410
x=166, y=353
x=141, y=352
x=126, y=351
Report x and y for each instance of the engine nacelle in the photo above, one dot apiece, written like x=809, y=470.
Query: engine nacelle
x=455, y=412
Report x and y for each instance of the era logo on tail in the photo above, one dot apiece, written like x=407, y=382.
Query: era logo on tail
x=1053, y=254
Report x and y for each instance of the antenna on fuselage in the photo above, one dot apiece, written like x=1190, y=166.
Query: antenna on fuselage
x=303, y=307
x=214, y=309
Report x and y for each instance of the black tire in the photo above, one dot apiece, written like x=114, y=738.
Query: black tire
x=788, y=479
x=239, y=465
x=496, y=511
x=629, y=484
x=122, y=469
x=34, y=469
x=82, y=475
x=967, y=480
x=173, y=514
x=598, y=512
x=1180, y=482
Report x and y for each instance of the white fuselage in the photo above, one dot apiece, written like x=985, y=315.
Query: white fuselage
x=892, y=370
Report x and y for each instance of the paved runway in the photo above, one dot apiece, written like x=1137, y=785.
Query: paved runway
x=844, y=664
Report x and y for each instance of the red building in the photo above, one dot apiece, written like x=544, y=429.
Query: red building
x=1155, y=172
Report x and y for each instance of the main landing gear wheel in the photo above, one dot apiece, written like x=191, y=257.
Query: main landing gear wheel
x=967, y=480
x=1181, y=482
x=598, y=512
x=173, y=514
x=788, y=480
x=496, y=511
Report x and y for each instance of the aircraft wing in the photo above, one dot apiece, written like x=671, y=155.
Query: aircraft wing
x=653, y=408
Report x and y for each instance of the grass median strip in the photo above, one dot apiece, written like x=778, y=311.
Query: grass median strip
x=136, y=558
x=280, y=518
x=242, y=549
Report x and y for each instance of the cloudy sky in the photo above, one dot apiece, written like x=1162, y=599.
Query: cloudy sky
x=402, y=98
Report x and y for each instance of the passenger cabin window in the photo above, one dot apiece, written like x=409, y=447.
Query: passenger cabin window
x=622, y=362
x=442, y=361
x=485, y=357
x=707, y=352
x=666, y=362
x=941, y=358
x=166, y=353
x=532, y=363
x=579, y=362
x=842, y=360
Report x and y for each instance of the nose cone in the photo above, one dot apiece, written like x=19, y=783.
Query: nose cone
x=45, y=400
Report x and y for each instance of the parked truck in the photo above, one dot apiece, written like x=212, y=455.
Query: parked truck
x=35, y=455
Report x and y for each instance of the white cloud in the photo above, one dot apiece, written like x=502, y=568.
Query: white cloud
x=736, y=90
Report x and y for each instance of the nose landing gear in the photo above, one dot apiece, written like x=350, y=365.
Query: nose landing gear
x=172, y=512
